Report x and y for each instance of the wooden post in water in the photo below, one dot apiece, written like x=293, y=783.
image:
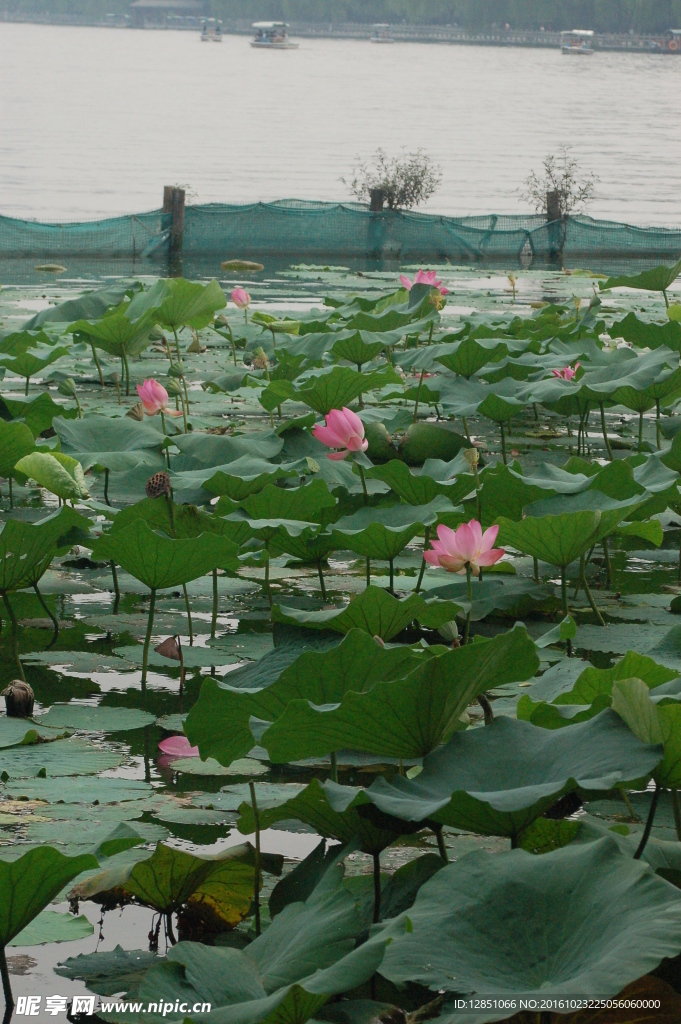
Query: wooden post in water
x=173, y=203
x=556, y=225
x=376, y=198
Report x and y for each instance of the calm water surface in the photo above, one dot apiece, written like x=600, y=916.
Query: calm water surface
x=95, y=122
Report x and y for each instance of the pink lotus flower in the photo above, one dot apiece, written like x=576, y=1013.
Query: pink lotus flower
x=467, y=545
x=241, y=298
x=154, y=398
x=344, y=429
x=178, y=746
x=424, y=277
x=567, y=373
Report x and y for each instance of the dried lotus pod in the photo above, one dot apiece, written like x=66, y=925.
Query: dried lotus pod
x=158, y=485
x=137, y=412
x=19, y=699
x=170, y=648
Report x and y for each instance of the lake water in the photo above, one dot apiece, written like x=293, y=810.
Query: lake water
x=94, y=122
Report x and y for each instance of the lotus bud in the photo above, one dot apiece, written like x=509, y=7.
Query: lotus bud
x=578, y=302
x=137, y=412
x=260, y=359
x=67, y=387
x=19, y=699
x=157, y=486
x=674, y=311
x=170, y=648
x=156, y=334
x=472, y=457
x=221, y=321
x=174, y=388
x=176, y=371
x=449, y=631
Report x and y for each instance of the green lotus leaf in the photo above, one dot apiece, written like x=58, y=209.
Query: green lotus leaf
x=580, y=919
x=175, y=302
x=50, y=926
x=219, y=450
x=359, y=347
x=161, y=562
x=497, y=780
x=656, y=280
x=504, y=492
x=60, y=758
x=375, y=611
x=472, y=354
x=30, y=883
x=429, y=441
x=88, y=306
x=332, y=812
x=287, y=974
x=61, y=474
x=421, y=488
x=219, y=721
x=647, y=334
x=332, y=389
x=500, y=408
x=513, y=597
x=306, y=503
x=383, y=532
x=98, y=440
x=31, y=362
x=95, y=719
x=405, y=717
x=17, y=342
x=22, y=731
x=16, y=441
x=246, y=475
x=652, y=723
x=612, y=512
x=116, y=333
x=37, y=413
x=169, y=878
x=106, y=973
x=557, y=540
x=26, y=549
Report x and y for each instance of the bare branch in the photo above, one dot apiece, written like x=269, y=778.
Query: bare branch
x=563, y=176
x=405, y=182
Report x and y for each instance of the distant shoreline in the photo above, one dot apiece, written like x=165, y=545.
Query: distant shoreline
x=437, y=34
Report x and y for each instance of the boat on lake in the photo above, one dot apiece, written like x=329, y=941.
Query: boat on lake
x=381, y=34
x=578, y=41
x=272, y=35
x=211, y=31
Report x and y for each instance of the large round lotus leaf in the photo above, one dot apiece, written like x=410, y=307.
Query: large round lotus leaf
x=62, y=757
x=26, y=549
x=557, y=540
x=95, y=719
x=430, y=441
x=497, y=780
x=50, y=926
x=30, y=883
x=583, y=920
x=56, y=472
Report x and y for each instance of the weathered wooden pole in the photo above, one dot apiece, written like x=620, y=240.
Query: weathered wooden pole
x=173, y=203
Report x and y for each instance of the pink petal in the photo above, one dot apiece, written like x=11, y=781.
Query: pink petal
x=490, y=557
x=178, y=746
x=447, y=539
x=466, y=544
x=329, y=437
x=477, y=532
x=432, y=557
x=406, y=283
x=354, y=422
x=337, y=422
x=488, y=538
x=338, y=456
x=357, y=443
x=240, y=298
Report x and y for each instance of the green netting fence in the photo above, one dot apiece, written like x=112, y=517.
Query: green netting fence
x=328, y=231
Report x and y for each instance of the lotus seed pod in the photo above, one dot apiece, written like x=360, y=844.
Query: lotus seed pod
x=157, y=485
x=170, y=648
x=19, y=699
x=137, y=412
x=472, y=456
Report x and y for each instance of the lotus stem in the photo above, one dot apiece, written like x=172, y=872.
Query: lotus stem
x=28, y=379
x=441, y=848
x=377, y=887
x=566, y=612
x=6, y=987
x=605, y=431
x=484, y=702
x=189, y=614
x=117, y=592
x=392, y=576
x=536, y=412
x=106, y=486
x=321, y=579
x=179, y=647
x=649, y=823
x=535, y=565
x=15, y=637
x=677, y=813
x=418, y=396
x=334, y=766
x=426, y=541
x=267, y=580
x=147, y=639
x=126, y=371
x=369, y=572
x=147, y=758
x=364, y=483
x=464, y=420
x=169, y=929
x=640, y=430
x=55, y=620
x=256, y=885
x=503, y=442
x=97, y=364
x=666, y=300
x=625, y=797
x=606, y=557
x=469, y=589
x=214, y=616
x=587, y=590
x=11, y=499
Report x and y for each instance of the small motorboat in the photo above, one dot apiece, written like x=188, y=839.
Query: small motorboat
x=211, y=31
x=381, y=34
x=578, y=41
x=272, y=35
